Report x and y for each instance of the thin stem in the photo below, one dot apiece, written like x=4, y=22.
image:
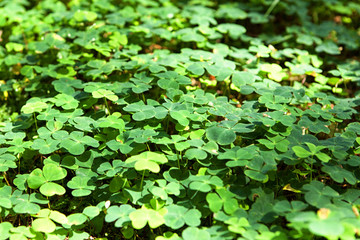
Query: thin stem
x=35, y=122
x=19, y=163
x=195, y=194
x=142, y=180
x=143, y=97
x=7, y=182
x=167, y=124
x=178, y=160
x=107, y=106
x=272, y=6
x=48, y=202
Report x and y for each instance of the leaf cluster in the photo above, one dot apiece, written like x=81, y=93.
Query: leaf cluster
x=144, y=119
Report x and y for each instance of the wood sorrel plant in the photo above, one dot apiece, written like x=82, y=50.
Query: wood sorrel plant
x=179, y=119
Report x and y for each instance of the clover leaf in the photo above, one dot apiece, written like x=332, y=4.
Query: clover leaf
x=82, y=185
x=65, y=101
x=113, y=121
x=177, y=216
x=44, y=222
x=43, y=179
x=46, y=146
x=196, y=68
x=76, y=219
x=319, y=195
x=339, y=174
x=34, y=106
x=238, y=156
x=7, y=160
x=103, y=93
x=328, y=47
x=5, y=196
x=326, y=228
x=234, y=30
x=179, y=120
x=221, y=135
x=163, y=190
x=120, y=214
x=204, y=183
x=43, y=225
x=141, y=111
x=222, y=198
x=314, y=151
x=193, y=232
x=91, y=211
x=76, y=142
x=148, y=161
x=140, y=217
x=5, y=230
x=24, y=203
x=67, y=85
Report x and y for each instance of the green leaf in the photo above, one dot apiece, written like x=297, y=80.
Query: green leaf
x=36, y=179
x=148, y=161
x=113, y=121
x=258, y=176
x=5, y=230
x=177, y=216
x=119, y=214
x=34, y=106
x=141, y=111
x=7, y=161
x=76, y=219
x=223, y=198
x=82, y=185
x=143, y=216
x=5, y=196
x=221, y=135
x=215, y=202
x=91, y=211
x=76, y=142
x=66, y=85
x=339, y=174
x=180, y=116
x=83, y=15
x=195, y=233
x=301, y=152
x=43, y=225
x=65, y=101
x=14, y=46
x=328, y=47
x=53, y=172
x=237, y=225
x=327, y=228
x=196, y=68
x=323, y=157
x=25, y=203
x=241, y=78
x=319, y=195
x=28, y=71
x=234, y=30
x=194, y=153
x=103, y=93
x=45, y=146
x=50, y=189
x=204, y=183
x=58, y=217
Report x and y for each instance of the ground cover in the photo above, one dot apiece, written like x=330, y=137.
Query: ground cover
x=142, y=119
